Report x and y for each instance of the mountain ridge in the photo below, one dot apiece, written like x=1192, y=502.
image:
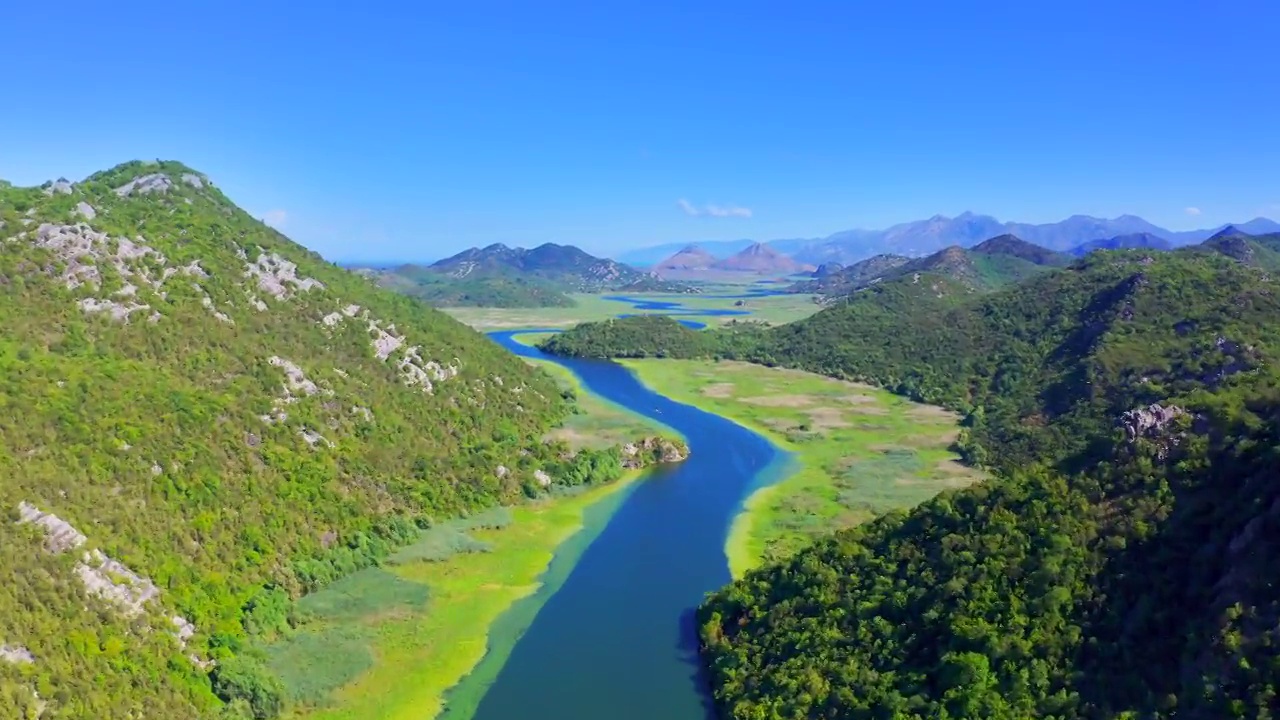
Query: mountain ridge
x=922, y=237
x=498, y=275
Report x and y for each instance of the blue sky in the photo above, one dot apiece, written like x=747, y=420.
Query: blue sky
x=411, y=130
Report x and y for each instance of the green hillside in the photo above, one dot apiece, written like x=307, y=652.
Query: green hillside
x=1258, y=250
x=203, y=420
x=1121, y=562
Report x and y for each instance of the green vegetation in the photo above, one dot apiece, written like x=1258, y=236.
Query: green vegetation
x=860, y=451
x=237, y=423
x=1118, y=565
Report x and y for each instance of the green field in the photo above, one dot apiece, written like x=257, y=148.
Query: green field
x=775, y=309
x=861, y=451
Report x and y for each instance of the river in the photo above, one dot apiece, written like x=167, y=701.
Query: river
x=617, y=639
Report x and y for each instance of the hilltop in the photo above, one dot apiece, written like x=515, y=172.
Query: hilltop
x=1118, y=564
x=690, y=257
x=502, y=276
x=1122, y=242
x=1258, y=250
x=204, y=420
x=760, y=258
x=847, y=279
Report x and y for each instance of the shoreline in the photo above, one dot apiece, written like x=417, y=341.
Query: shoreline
x=427, y=657
x=437, y=664
x=740, y=547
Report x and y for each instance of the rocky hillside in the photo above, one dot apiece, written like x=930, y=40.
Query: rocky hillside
x=202, y=420
x=1258, y=250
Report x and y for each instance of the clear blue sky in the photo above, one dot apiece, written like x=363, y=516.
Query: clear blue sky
x=410, y=130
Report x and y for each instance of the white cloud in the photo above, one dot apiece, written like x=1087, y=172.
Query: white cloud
x=717, y=211
x=1192, y=211
x=275, y=218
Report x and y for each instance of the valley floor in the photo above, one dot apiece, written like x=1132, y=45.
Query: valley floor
x=861, y=451
x=775, y=309
x=390, y=642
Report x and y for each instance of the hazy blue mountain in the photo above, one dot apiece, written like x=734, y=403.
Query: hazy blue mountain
x=924, y=237
x=1122, y=242
x=648, y=256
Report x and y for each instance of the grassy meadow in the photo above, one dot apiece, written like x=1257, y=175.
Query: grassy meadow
x=775, y=309
x=861, y=451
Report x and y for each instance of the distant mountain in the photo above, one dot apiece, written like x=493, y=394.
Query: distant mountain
x=501, y=276
x=690, y=257
x=828, y=269
x=761, y=258
x=1015, y=247
x=650, y=256
x=1122, y=242
x=564, y=266
x=922, y=237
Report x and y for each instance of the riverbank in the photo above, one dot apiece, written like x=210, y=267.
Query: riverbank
x=397, y=641
x=859, y=451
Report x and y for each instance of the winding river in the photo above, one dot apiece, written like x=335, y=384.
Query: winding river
x=617, y=639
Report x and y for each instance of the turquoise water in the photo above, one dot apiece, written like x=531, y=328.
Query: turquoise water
x=617, y=640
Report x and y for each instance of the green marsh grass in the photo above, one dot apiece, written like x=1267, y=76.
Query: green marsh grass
x=859, y=451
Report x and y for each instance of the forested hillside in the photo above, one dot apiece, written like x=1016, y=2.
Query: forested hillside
x=202, y=420
x=1122, y=563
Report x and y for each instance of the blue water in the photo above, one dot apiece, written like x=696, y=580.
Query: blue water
x=617, y=641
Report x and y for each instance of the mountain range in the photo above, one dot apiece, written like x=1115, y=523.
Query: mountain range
x=692, y=261
x=1007, y=260
x=922, y=237
x=502, y=276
